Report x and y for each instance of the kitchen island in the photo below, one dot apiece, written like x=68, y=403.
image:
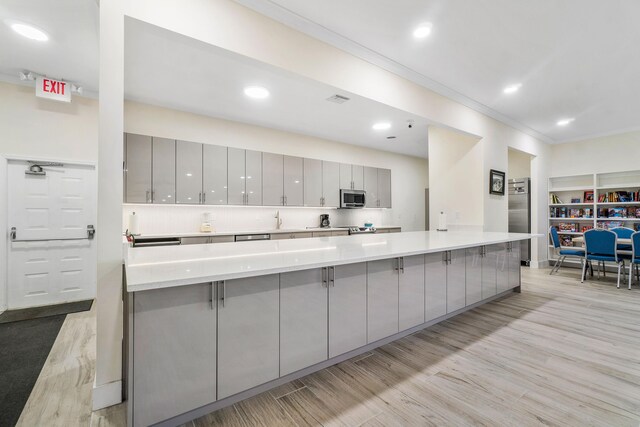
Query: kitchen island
x=209, y=325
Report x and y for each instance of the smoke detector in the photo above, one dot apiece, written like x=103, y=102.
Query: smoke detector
x=338, y=99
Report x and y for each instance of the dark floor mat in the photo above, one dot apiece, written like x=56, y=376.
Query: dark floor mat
x=46, y=311
x=24, y=347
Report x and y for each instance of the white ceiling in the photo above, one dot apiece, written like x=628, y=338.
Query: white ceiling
x=166, y=69
x=71, y=53
x=575, y=58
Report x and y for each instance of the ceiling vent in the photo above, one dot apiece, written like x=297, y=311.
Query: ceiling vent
x=338, y=99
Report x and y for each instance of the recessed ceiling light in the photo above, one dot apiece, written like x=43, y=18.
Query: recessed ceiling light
x=382, y=126
x=256, y=92
x=423, y=30
x=512, y=88
x=29, y=31
x=564, y=122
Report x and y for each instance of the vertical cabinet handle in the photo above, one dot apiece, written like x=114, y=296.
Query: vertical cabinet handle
x=204, y=197
x=325, y=273
x=146, y=197
x=211, y=294
x=402, y=265
x=397, y=266
x=444, y=257
x=223, y=294
x=332, y=277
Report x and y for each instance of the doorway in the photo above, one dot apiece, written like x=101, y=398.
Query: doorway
x=51, y=215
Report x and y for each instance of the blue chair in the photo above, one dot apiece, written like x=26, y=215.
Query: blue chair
x=602, y=245
x=635, y=257
x=563, y=253
x=623, y=233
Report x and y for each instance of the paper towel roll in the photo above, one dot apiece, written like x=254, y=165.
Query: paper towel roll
x=133, y=224
x=442, y=222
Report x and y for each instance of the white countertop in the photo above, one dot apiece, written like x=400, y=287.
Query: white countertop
x=167, y=266
x=242, y=232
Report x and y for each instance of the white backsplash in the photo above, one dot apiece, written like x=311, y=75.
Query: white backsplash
x=166, y=219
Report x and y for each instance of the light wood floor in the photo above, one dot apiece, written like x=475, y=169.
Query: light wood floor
x=560, y=353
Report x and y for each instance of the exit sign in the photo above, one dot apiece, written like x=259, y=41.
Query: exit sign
x=53, y=89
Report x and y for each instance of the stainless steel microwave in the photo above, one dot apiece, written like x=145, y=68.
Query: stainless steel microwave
x=352, y=199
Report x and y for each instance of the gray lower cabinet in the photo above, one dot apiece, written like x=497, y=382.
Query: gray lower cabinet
x=214, y=170
x=347, y=308
x=513, y=252
x=411, y=292
x=188, y=172
x=248, y=333
x=313, y=182
x=272, y=179
x=303, y=319
x=370, y=185
x=435, y=279
x=137, y=171
x=502, y=279
x=174, y=353
x=456, y=278
x=489, y=271
x=330, y=184
x=384, y=188
x=473, y=272
x=163, y=189
x=293, y=186
x=382, y=298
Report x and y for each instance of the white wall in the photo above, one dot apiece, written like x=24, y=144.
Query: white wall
x=519, y=164
x=456, y=178
x=615, y=153
x=409, y=175
x=42, y=129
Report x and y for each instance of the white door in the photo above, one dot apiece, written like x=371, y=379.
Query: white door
x=50, y=258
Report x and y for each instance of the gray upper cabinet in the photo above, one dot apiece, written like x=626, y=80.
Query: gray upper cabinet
x=293, y=181
x=371, y=186
x=347, y=308
x=330, y=184
x=248, y=333
x=170, y=324
x=188, y=172
x=214, y=170
x=456, y=281
x=138, y=168
x=357, y=176
x=435, y=277
x=272, y=179
x=164, y=171
x=303, y=319
x=236, y=175
x=253, y=170
x=313, y=182
x=346, y=181
x=384, y=188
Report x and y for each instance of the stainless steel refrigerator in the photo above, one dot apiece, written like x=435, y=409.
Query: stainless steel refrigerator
x=520, y=213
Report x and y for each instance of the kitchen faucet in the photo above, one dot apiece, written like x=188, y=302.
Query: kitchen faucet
x=278, y=220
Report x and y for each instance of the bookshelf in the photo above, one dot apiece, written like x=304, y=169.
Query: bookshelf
x=615, y=202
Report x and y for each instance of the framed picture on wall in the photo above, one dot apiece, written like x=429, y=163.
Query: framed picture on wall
x=497, y=182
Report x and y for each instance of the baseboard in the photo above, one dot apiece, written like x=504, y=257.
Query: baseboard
x=107, y=395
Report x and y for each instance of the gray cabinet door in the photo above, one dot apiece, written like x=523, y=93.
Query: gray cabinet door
x=138, y=169
x=175, y=353
x=502, y=271
x=489, y=271
x=411, y=292
x=272, y=179
x=346, y=181
x=348, y=308
x=236, y=176
x=312, y=182
x=456, y=277
x=164, y=171
x=331, y=184
x=357, y=176
x=248, y=338
x=382, y=299
x=253, y=170
x=473, y=270
x=188, y=172
x=293, y=181
x=514, y=265
x=435, y=279
x=214, y=171
x=303, y=319
x=371, y=186
x=384, y=188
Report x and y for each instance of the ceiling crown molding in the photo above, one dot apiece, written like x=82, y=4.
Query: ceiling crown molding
x=302, y=24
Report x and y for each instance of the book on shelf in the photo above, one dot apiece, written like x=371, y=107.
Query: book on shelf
x=608, y=225
x=570, y=213
x=618, y=212
x=586, y=228
x=555, y=200
x=577, y=200
x=588, y=196
x=619, y=197
x=567, y=227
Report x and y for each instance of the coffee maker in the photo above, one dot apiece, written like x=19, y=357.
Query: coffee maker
x=324, y=221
